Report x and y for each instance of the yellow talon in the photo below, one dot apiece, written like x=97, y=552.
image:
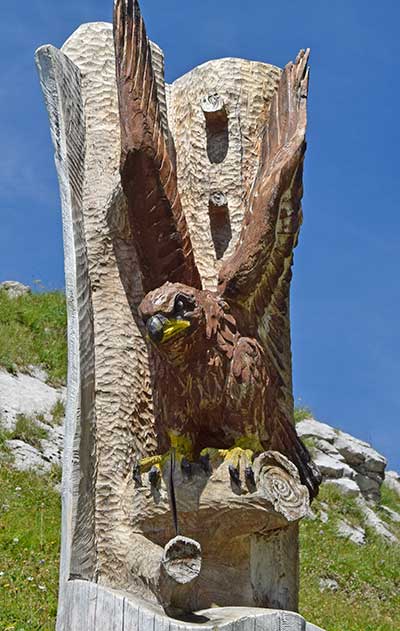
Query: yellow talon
x=245, y=446
x=182, y=448
x=151, y=461
x=213, y=452
x=235, y=454
x=251, y=442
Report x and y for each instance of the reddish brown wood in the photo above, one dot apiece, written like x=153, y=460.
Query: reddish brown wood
x=147, y=171
x=228, y=375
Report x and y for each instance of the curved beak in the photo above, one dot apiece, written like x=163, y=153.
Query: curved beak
x=162, y=329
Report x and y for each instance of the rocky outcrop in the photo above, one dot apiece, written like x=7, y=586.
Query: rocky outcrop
x=372, y=520
x=349, y=464
x=28, y=395
x=392, y=481
x=32, y=415
x=14, y=289
x=356, y=534
x=357, y=471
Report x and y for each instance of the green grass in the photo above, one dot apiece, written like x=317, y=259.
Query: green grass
x=368, y=598
x=5, y=455
x=58, y=413
x=33, y=332
x=27, y=430
x=29, y=551
x=301, y=413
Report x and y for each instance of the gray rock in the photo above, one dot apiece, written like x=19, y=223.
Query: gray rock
x=328, y=584
x=52, y=447
x=391, y=513
x=339, y=455
x=38, y=373
x=324, y=517
x=311, y=515
x=30, y=396
x=329, y=449
x=345, y=485
x=356, y=534
x=310, y=428
x=332, y=468
x=376, y=523
x=14, y=289
x=27, y=457
x=23, y=394
x=369, y=487
x=357, y=452
x=392, y=481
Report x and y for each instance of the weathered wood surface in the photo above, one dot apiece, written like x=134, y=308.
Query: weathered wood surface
x=243, y=91
x=92, y=607
x=123, y=386
x=61, y=84
x=235, y=524
x=218, y=108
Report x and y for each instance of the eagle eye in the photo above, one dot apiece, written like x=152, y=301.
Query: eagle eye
x=179, y=305
x=183, y=304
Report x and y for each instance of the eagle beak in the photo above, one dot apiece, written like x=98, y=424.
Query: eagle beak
x=161, y=329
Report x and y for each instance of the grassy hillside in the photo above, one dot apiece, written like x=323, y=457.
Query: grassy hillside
x=32, y=331
x=368, y=576
x=29, y=551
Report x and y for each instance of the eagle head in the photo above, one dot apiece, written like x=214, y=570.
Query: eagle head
x=171, y=313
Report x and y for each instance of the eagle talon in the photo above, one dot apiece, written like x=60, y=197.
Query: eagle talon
x=186, y=468
x=249, y=477
x=154, y=475
x=205, y=463
x=234, y=474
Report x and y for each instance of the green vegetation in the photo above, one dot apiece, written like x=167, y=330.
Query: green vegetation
x=4, y=451
x=302, y=413
x=27, y=430
x=58, y=413
x=33, y=332
x=368, y=598
x=29, y=551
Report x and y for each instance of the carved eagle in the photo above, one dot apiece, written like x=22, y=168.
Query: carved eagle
x=220, y=358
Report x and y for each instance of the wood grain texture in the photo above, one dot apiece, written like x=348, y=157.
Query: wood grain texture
x=214, y=118
x=237, y=527
x=113, y=611
x=147, y=169
x=61, y=85
x=246, y=88
x=123, y=388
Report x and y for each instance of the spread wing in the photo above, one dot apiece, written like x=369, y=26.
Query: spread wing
x=147, y=170
x=272, y=220
x=256, y=279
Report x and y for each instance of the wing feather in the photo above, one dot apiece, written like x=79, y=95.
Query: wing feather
x=273, y=217
x=147, y=171
x=256, y=279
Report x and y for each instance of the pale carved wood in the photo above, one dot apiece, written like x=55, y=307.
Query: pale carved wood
x=210, y=126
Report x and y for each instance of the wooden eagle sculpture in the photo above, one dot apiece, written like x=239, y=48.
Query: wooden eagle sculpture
x=221, y=377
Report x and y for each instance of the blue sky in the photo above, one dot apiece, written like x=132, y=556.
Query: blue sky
x=346, y=292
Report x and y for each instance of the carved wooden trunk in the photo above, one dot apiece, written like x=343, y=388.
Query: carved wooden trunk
x=114, y=529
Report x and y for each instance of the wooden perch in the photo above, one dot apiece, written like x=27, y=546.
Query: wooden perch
x=214, y=511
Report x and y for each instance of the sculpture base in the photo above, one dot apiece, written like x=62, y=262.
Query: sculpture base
x=88, y=606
